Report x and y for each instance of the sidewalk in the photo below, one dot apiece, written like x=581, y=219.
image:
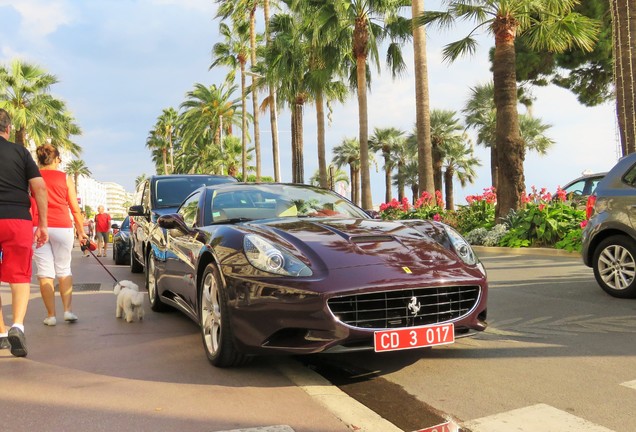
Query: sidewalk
x=103, y=374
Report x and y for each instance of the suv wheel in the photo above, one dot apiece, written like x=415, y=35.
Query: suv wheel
x=615, y=266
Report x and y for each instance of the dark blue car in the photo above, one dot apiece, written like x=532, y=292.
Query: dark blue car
x=121, y=242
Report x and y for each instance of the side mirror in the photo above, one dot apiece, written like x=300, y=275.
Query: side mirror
x=136, y=210
x=173, y=221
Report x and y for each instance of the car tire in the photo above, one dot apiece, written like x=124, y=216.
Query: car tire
x=117, y=256
x=135, y=266
x=214, y=319
x=154, y=296
x=614, y=266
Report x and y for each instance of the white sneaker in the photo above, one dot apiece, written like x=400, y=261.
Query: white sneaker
x=70, y=317
x=50, y=321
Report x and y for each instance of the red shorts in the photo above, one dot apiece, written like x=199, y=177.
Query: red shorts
x=16, y=245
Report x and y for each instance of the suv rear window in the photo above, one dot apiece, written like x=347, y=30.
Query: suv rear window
x=170, y=192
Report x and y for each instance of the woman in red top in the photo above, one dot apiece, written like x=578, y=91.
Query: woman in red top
x=54, y=258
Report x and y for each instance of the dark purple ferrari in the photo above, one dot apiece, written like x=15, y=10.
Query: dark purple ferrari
x=294, y=269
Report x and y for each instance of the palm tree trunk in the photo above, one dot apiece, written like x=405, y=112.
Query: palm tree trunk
x=422, y=106
x=257, y=135
x=387, y=176
x=448, y=188
x=354, y=183
x=164, y=156
x=494, y=170
x=624, y=35
x=20, y=136
x=298, y=123
x=400, y=179
x=365, y=178
x=243, y=124
x=320, y=120
x=273, y=109
x=171, y=153
x=414, y=194
x=437, y=167
x=294, y=152
x=510, y=148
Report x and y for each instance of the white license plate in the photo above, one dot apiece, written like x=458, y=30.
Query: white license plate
x=414, y=337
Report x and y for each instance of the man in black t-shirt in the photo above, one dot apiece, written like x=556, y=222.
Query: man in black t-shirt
x=18, y=173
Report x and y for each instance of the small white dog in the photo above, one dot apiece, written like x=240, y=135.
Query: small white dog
x=130, y=301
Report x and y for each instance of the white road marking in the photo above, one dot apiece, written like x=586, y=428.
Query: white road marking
x=630, y=384
x=535, y=418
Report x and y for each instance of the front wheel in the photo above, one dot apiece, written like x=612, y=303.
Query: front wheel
x=615, y=266
x=151, y=285
x=135, y=266
x=216, y=328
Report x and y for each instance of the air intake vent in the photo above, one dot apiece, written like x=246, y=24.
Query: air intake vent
x=371, y=239
x=405, y=308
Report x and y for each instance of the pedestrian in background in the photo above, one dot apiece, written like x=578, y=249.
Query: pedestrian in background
x=18, y=173
x=87, y=230
x=102, y=230
x=54, y=258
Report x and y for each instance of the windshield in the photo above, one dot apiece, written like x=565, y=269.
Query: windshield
x=270, y=201
x=171, y=191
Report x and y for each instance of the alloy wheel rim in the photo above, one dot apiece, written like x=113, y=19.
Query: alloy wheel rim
x=152, y=286
x=617, y=267
x=211, y=314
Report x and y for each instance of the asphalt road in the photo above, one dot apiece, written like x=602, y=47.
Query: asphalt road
x=559, y=354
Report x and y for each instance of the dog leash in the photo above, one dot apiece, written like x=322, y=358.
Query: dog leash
x=102, y=264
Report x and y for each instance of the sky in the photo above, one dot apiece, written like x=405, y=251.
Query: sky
x=121, y=62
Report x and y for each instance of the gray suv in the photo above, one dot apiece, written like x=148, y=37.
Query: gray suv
x=609, y=239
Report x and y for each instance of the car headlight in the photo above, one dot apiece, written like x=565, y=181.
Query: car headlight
x=273, y=259
x=462, y=248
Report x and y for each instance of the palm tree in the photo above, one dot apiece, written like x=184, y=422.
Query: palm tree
x=444, y=127
x=367, y=24
x=140, y=179
x=387, y=141
x=159, y=146
x=234, y=52
x=287, y=58
x=405, y=161
x=348, y=153
x=426, y=179
x=481, y=114
x=337, y=176
x=547, y=25
x=328, y=55
x=24, y=93
x=623, y=22
x=209, y=111
x=246, y=10
x=459, y=161
x=77, y=168
x=166, y=127
x=232, y=155
x=61, y=127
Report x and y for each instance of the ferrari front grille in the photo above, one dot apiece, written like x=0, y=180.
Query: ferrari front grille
x=405, y=308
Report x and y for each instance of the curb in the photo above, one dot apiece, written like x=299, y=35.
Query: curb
x=351, y=412
x=526, y=251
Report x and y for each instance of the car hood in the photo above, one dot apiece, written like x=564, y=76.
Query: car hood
x=341, y=243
